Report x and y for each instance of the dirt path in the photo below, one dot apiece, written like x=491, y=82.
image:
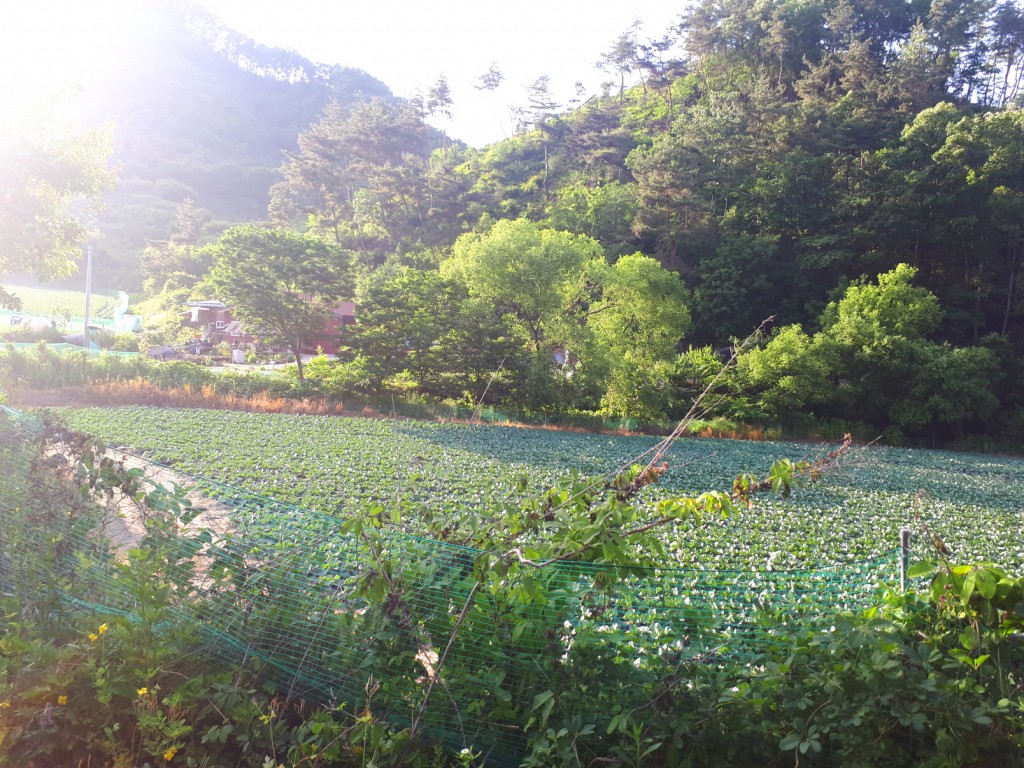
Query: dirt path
x=124, y=524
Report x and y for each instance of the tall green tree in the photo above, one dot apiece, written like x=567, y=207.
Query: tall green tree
x=415, y=321
x=537, y=276
x=639, y=320
x=438, y=100
x=873, y=363
x=623, y=57
x=359, y=175
x=983, y=158
x=1005, y=78
x=542, y=282
x=604, y=212
x=283, y=283
x=178, y=257
x=50, y=189
x=404, y=313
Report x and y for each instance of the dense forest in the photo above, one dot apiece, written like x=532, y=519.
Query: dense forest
x=852, y=172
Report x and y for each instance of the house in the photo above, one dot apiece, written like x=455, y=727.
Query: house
x=344, y=313
x=215, y=324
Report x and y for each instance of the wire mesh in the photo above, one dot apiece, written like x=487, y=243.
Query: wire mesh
x=287, y=586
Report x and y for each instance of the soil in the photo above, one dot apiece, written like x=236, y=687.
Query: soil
x=125, y=522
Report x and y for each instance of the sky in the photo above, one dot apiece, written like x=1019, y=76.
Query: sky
x=408, y=43
x=46, y=46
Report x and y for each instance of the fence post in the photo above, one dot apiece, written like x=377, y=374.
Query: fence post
x=904, y=557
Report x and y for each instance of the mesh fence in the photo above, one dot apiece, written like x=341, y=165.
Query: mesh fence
x=334, y=617
x=65, y=348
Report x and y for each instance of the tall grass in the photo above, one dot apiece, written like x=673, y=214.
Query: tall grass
x=143, y=392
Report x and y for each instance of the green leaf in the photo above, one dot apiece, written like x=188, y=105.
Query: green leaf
x=986, y=583
x=792, y=741
x=980, y=716
x=968, y=588
x=618, y=723
x=967, y=639
x=541, y=698
x=650, y=749
x=922, y=568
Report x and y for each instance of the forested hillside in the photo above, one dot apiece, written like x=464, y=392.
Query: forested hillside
x=853, y=171
x=200, y=112
x=786, y=150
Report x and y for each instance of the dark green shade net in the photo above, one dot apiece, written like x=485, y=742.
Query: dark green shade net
x=281, y=585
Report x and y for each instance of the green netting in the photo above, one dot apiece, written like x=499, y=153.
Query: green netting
x=269, y=581
x=491, y=415
x=63, y=347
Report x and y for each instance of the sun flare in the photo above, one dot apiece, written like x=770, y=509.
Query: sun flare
x=54, y=49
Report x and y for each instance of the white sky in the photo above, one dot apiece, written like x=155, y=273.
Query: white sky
x=45, y=44
x=408, y=43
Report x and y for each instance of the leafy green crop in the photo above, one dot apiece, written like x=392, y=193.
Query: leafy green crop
x=60, y=303
x=974, y=503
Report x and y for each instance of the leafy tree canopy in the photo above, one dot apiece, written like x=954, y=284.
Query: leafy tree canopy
x=868, y=314
x=284, y=283
x=537, y=275
x=50, y=187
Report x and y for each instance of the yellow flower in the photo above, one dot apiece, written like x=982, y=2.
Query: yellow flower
x=103, y=628
x=170, y=753
x=5, y=705
x=93, y=637
x=142, y=691
x=62, y=700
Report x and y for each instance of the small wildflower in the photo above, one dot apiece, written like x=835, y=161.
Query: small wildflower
x=62, y=700
x=5, y=705
x=170, y=753
x=102, y=629
x=93, y=637
x=142, y=691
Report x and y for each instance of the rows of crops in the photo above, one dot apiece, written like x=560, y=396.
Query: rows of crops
x=973, y=502
x=50, y=302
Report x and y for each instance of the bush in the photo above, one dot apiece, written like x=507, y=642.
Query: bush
x=126, y=342
x=338, y=379
x=21, y=335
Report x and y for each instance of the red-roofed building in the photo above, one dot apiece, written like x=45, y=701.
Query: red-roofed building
x=343, y=314
x=214, y=322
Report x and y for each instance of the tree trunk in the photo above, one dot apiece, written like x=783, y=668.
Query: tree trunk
x=546, y=197
x=298, y=361
x=1009, y=289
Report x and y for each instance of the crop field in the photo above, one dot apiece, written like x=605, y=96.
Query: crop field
x=974, y=503
x=60, y=303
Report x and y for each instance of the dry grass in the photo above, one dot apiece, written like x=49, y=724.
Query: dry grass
x=142, y=392
x=740, y=432
x=547, y=427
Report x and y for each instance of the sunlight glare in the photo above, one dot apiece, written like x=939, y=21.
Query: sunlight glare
x=52, y=50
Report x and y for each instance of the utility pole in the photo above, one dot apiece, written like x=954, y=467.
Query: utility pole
x=88, y=295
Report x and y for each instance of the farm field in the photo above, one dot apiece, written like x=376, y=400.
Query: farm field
x=974, y=502
x=61, y=303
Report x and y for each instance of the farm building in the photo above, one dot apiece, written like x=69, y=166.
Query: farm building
x=215, y=323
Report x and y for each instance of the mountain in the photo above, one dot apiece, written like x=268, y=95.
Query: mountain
x=200, y=112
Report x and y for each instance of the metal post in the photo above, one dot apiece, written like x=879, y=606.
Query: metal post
x=88, y=296
x=904, y=557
